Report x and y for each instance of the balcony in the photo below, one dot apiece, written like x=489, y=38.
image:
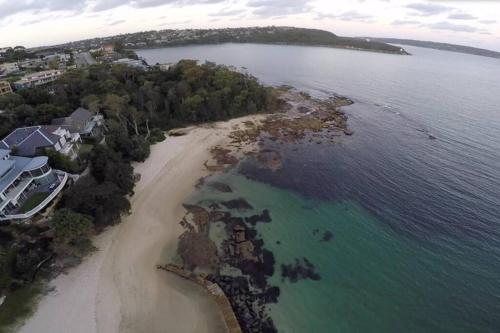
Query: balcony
x=37, y=198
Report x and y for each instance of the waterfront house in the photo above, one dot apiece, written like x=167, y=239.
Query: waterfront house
x=5, y=88
x=31, y=141
x=166, y=66
x=83, y=122
x=132, y=63
x=38, y=79
x=27, y=185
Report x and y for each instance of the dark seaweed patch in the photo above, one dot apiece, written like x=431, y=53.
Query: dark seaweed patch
x=299, y=271
x=327, y=236
x=239, y=204
x=264, y=217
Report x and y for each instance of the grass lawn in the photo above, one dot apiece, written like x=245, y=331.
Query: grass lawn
x=18, y=305
x=33, y=201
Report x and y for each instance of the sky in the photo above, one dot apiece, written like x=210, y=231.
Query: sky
x=47, y=22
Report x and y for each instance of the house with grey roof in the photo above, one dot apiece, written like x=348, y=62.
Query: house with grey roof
x=83, y=122
x=30, y=141
x=27, y=185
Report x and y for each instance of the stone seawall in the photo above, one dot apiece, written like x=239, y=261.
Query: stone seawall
x=220, y=297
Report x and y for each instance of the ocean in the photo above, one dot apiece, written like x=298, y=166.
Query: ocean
x=411, y=200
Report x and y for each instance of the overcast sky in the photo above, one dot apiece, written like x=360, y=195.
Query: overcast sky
x=46, y=22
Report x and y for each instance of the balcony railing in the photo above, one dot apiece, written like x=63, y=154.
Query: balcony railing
x=42, y=205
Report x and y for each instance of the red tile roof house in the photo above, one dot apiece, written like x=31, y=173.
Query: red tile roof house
x=30, y=141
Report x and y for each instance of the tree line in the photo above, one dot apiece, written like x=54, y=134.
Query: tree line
x=139, y=106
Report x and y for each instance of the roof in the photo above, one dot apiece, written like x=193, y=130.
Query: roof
x=3, y=153
x=17, y=165
x=81, y=115
x=36, y=162
x=4, y=166
x=29, y=139
x=39, y=75
x=61, y=121
x=18, y=135
x=76, y=122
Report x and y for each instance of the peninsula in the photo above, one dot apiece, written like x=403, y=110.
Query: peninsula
x=441, y=46
x=258, y=35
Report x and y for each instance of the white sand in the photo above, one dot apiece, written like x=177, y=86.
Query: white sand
x=118, y=289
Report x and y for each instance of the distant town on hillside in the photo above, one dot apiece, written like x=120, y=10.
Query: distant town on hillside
x=261, y=35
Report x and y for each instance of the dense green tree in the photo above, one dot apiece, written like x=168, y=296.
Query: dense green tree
x=10, y=101
x=108, y=166
x=71, y=232
x=103, y=201
x=62, y=162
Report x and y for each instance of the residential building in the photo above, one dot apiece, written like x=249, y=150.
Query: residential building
x=5, y=88
x=8, y=68
x=55, y=58
x=31, y=63
x=108, y=49
x=27, y=185
x=132, y=63
x=165, y=67
x=38, y=79
x=83, y=122
x=30, y=141
x=4, y=51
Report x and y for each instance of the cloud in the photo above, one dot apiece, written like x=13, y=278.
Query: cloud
x=452, y=27
x=405, y=22
x=101, y=5
x=488, y=21
x=275, y=8
x=117, y=22
x=227, y=12
x=12, y=7
x=428, y=9
x=350, y=15
x=461, y=16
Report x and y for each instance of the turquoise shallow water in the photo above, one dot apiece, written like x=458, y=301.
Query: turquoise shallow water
x=373, y=279
x=416, y=221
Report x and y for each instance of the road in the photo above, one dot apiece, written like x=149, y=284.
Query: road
x=84, y=59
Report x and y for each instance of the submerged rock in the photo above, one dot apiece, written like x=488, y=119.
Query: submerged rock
x=264, y=218
x=327, y=236
x=221, y=187
x=348, y=132
x=239, y=204
x=299, y=271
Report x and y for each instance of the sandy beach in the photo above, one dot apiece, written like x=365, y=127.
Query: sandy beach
x=118, y=288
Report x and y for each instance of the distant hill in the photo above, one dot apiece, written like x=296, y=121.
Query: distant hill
x=261, y=35
x=442, y=46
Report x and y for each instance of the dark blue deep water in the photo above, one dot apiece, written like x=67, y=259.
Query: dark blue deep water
x=413, y=197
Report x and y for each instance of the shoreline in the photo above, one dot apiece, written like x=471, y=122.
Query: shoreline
x=276, y=44
x=118, y=288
